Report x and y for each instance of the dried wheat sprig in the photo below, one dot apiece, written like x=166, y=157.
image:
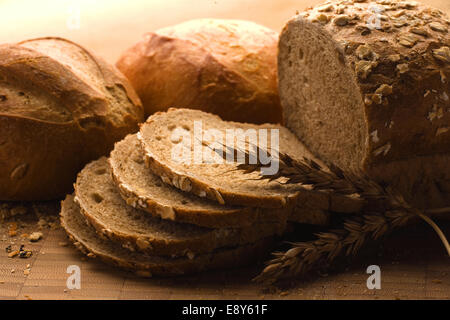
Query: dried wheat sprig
x=354, y=232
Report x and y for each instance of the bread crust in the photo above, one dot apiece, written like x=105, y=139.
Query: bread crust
x=226, y=67
x=52, y=121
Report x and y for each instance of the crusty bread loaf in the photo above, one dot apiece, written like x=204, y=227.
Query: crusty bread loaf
x=103, y=207
x=366, y=85
x=165, y=132
x=88, y=242
x=60, y=107
x=145, y=190
x=226, y=67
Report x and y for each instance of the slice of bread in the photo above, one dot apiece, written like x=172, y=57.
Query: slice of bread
x=311, y=216
x=144, y=190
x=166, y=136
x=87, y=241
x=108, y=213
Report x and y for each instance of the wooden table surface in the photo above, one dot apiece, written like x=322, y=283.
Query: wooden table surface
x=413, y=265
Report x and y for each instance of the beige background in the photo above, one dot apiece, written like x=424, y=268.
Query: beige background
x=108, y=27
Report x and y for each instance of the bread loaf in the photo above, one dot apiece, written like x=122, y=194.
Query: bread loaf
x=226, y=67
x=88, y=242
x=365, y=85
x=60, y=107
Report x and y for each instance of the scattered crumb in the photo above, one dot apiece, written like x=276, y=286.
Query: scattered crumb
x=35, y=236
x=27, y=296
x=284, y=293
x=24, y=254
x=63, y=244
x=13, y=270
x=436, y=281
x=26, y=271
x=13, y=254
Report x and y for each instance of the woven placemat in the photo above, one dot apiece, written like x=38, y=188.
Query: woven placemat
x=413, y=265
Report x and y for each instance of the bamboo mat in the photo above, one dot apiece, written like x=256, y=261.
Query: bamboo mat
x=413, y=266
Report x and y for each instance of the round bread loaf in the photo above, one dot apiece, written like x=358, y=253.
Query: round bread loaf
x=365, y=85
x=225, y=67
x=60, y=107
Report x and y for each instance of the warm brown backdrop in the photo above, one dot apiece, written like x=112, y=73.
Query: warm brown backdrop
x=110, y=26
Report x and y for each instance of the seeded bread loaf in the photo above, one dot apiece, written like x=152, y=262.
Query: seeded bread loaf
x=104, y=209
x=226, y=67
x=60, y=107
x=144, y=190
x=88, y=242
x=365, y=85
x=164, y=134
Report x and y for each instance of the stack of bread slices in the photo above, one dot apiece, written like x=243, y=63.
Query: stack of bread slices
x=144, y=210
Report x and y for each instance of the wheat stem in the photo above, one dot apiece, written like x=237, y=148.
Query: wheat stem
x=436, y=229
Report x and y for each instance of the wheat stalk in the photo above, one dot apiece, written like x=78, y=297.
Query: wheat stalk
x=354, y=232
x=344, y=241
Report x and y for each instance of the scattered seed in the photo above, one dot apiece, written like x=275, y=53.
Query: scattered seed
x=25, y=254
x=402, y=68
x=384, y=89
x=35, y=236
x=436, y=26
x=341, y=20
x=365, y=52
x=442, y=54
x=13, y=254
x=419, y=31
x=407, y=40
x=436, y=281
x=394, y=57
x=325, y=8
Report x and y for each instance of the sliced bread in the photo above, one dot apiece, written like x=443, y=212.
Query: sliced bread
x=87, y=241
x=144, y=190
x=173, y=141
x=104, y=208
